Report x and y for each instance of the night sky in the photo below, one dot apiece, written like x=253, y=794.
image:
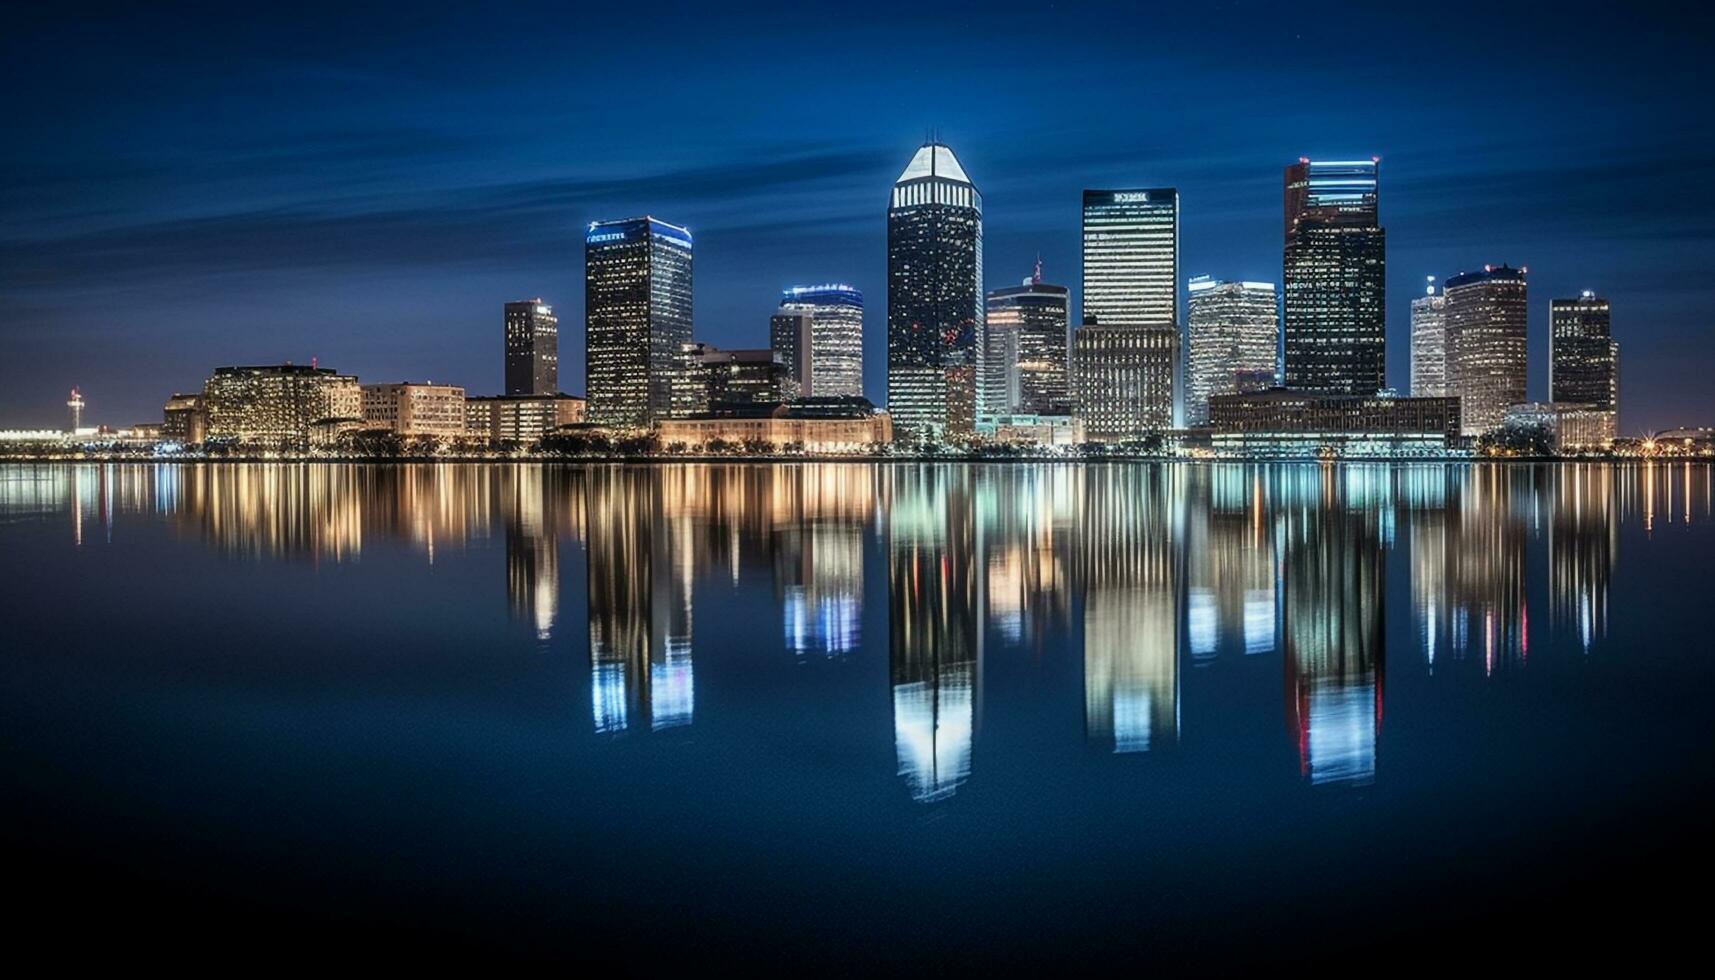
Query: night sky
x=199, y=186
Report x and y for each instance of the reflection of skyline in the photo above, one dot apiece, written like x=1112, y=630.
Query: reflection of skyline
x=1230, y=592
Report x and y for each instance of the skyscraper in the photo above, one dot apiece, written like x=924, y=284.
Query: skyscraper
x=1334, y=268
x=1486, y=344
x=1024, y=356
x=789, y=339
x=532, y=348
x=637, y=314
x=1125, y=355
x=934, y=295
x=836, y=337
x=1234, y=333
x=1429, y=344
x=1584, y=359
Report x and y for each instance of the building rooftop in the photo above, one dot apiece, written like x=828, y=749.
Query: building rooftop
x=934, y=160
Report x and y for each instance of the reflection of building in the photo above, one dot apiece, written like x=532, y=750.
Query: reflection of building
x=532, y=348
x=935, y=603
x=183, y=420
x=1130, y=574
x=1583, y=539
x=275, y=404
x=532, y=548
x=637, y=313
x=639, y=603
x=416, y=409
x=934, y=296
x=1334, y=270
x=1028, y=518
x=1333, y=589
x=834, y=356
x=1486, y=344
x=1230, y=587
x=1233, y=332
x=520, y=418
x=1024, y=355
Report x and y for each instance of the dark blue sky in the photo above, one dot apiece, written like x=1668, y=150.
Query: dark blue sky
x=211, y=185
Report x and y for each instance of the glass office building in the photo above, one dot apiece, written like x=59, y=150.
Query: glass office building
x=532, y=348
x=934, y=296
x=637, y=317
x=1334, y=273
x=1486, y=344
x=1584, y=359
x=1131, y=256
x=1429, y=344
x=1233, y=335
x=836, y=337
x=1024, y=353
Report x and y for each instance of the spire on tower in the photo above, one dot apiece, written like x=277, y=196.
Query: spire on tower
x=1036, y=277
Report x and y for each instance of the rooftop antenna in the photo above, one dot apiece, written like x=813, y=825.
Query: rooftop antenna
x=1036, y=277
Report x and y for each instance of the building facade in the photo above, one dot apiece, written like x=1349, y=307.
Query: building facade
x=815, y=425
x=1429, y=344
x=1123, y=380
x=416, y=409
x=532, y=348
x=274, y=405
x=836, y=337
x=789, y=336
x=1233, y=340
x=183, y=420
x=1024, y=349
x=1285, y=422
x=712, y=376
x=1583, y=358
x=637, y=316
x=1486, y=350
x=934, y=296
x=521, y=418
x=1334, y=272
x=1571, y=427
x=1131, y=256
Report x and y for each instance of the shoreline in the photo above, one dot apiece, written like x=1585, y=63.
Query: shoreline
x=802, y=459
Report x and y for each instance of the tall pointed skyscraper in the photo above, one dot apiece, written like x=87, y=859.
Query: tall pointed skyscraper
x=1334, y=268
x=934, y=296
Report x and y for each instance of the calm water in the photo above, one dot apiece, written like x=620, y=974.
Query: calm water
x=961, y=713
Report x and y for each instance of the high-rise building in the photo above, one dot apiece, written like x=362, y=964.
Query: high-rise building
x=836, y=337
x=1429, y=344
x=1131, y=256
x=934, y=296
x=1234, y=334
x=1584, y=359
x=1486, y=344
x=1123, y=379
x=637, y=313
x=275, y=404
x=532, y=348
x=1024, y=355
x=1334, y=269
x=789, y=339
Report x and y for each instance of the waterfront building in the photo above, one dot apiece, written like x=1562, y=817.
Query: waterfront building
x=835, y=351
x=637, y=314
x=273, y=405
x=1234, y=336
x=1024, y=355
x=1486, y=350
x=1032, y=430
x=816, y=425
x=1334, y=271
x=1429, y=344
x=1131, y=256
x=711, y=376
x=532, y=348
x=1583, y=359
x=1123, y=378
x=934, y=296
x=521, y=418
x=1570, y=426
x=408, y=409
x=1281, y=421
x=789, y=336
x=183, y=420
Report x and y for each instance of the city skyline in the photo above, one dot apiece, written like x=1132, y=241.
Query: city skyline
x=116, y=280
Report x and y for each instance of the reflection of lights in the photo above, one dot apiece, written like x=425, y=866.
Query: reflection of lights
x=1200, y=620
x=932, y=730
x=1259, y=620
x=672, y=691
x=607, y=696
x=1342, y=742
x=828, y=625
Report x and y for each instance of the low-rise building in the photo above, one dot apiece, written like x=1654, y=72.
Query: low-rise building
x=520, y=418
x=817, y=425
x=408, y=409
x=273, y=405
x=1571, y=426
x=1032, y=430
x=183, y=420
x=1285, y=422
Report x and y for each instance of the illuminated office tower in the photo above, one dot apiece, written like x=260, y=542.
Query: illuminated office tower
x=637, y=314
x=1583, y=359
x=532, y=348
x=1131, y=257
x=1486, y=344
x=836, y=337
x=934, y=296
x=276, y=404
x=1024, y=356
x=1123, y=380
x=789, y=339
x=1334, y=269
x=1429, y=344
x=1233, y=335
